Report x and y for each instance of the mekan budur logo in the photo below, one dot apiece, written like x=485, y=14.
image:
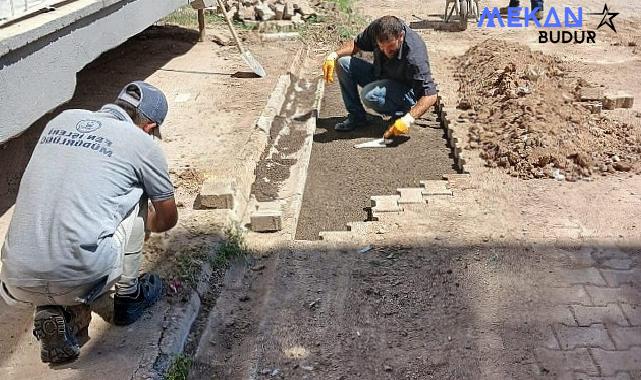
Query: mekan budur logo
x=556, y=18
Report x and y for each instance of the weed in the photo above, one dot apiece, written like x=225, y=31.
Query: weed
x=179, y=369
x=232, y=247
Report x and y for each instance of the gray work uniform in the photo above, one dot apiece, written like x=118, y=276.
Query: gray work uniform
x=81, y=206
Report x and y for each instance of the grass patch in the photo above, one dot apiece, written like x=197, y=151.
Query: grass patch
x=179, y=369
x=233, y=246
x=187, y=17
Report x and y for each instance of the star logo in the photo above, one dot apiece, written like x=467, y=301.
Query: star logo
x=607, y=18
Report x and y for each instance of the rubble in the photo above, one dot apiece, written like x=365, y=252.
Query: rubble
x=253, y=12
x=536, y=121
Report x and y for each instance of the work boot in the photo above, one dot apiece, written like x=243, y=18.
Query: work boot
x=129, y=308
x=80, y=317
x=57, y=342
x=349, y=124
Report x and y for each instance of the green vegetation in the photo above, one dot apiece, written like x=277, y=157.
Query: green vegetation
x=232, y=247
x=179, y=369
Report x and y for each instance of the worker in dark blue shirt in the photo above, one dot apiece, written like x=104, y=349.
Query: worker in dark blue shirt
x=397, y=84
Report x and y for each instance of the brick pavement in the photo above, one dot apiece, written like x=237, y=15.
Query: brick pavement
x=603, y=341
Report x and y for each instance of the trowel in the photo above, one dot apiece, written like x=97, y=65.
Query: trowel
x=376, y=143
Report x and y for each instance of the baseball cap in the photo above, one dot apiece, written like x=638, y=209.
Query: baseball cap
x=149, y=100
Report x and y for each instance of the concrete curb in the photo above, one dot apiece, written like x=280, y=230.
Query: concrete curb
x=453, y=140
x=239, y=188
x=180, y=319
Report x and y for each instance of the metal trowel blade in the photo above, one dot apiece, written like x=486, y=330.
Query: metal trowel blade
x=376, y=143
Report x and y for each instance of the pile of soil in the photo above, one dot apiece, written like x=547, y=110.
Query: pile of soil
x=527, y=117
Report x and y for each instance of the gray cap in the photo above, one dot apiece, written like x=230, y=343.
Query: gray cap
x=149, y=100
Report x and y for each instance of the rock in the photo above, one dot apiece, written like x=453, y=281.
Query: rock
x=246, y=13
x=220, y=39
x=534, y=72
x=464, y=104
x=622, y=166
x=288, y=11
x=302, y=7
x=264, y=12
x=279, y=10
x=387, y=368
x=297, y=19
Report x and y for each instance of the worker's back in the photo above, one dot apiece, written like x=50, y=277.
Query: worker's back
x=86, y=173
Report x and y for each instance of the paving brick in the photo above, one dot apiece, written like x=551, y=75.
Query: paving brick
x=574, y=295
x=216, y=194
x=266, y=220
x=560, y=364
x=611, y=362
x=617, y=263
x=612, y=101
x=619, y=376
x=605, y=296
x=385, y=203
x=587, y=315
x=617, y=278
x=435, y=187
x=577, y=337
x=410, y=195
x=633, y=312
x=625, y=337
x=583, y=276
x=591, y=93
x=602, y=254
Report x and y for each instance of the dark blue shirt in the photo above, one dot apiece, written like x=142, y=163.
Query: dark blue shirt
x=411, y=66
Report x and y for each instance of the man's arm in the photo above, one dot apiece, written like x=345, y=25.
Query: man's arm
x=423, y=104
x=348, y=48
x=162, y=215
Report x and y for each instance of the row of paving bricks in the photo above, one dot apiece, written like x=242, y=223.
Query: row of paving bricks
x=600, y=335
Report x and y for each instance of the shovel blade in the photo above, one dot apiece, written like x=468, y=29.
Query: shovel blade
x=253, y=64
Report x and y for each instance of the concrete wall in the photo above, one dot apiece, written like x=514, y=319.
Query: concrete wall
x=15, y=8
x=39, y=57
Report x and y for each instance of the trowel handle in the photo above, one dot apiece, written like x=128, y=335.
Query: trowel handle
x=231, y=26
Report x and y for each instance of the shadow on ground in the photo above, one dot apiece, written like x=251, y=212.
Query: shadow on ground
x=421, y=311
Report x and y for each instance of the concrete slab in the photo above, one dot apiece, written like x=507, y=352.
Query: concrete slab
x=72, y=37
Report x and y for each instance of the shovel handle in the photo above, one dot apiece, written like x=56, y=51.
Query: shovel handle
x=231, y=26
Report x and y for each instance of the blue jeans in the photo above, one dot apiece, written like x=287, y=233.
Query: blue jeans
x=533, y=4
x=385, y=96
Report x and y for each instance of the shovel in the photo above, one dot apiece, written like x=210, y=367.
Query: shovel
x=245, y=54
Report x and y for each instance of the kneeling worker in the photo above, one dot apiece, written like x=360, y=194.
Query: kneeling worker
x=397, y=84
x=81, y=217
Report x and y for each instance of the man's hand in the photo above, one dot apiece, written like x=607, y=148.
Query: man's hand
x=400, y=127
x=328, y=67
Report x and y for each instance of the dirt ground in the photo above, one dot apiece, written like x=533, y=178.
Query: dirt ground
x=341, y=179
x=507, y=279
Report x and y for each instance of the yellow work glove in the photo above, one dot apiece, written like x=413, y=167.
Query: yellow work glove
x=400, y=127
x=328, y=67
